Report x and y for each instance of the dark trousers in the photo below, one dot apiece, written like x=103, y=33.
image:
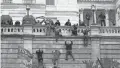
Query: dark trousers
x=40, y=60
x=86, y=40
x=103, y=23
x=40, y=63
x=69, y=52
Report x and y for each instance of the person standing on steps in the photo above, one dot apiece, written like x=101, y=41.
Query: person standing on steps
x=55, y=59
x=68, y=45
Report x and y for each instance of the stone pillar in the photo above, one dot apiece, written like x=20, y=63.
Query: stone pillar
x=94, y=16
x=95, y=43
x=27, y=37
x=95, y=48
x=107, y=17
x=81, y=15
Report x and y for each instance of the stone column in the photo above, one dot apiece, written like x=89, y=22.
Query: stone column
x=94, y=16
x=81, y=15
x=107, y=17
x=95, y=48
x=95, y=43
x=27, y=37
x=93, y=8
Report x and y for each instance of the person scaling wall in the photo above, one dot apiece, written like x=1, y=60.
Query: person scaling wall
x=40, y=58
x=68, y=45
x=85, y=36
x=55, y=59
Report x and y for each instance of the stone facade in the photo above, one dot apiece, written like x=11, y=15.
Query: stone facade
x=103, y=41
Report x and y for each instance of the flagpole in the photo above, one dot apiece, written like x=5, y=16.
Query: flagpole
x=100, y=63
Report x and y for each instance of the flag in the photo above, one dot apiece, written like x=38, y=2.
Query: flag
x=100, y=62
x=42, y=17
x=25, y=56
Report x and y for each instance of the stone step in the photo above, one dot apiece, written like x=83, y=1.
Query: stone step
x=62, y=56
x=65, y=65
x=4, y=65
x=74, y=50
x=46, y=61
x=49, y=56
x=47, y=50
x=59, y=46
x=51, y=42
x=62, y=61
x=110, y=46
x=110, y=51
x=11, y=46
x=113, y=56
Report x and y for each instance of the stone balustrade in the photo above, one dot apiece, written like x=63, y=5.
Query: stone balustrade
x=65, y=30
x=79, y=30
x=7, y=30
x=39, y=30
x=110, y=31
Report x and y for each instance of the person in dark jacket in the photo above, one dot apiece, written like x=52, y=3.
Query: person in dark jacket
x=57, y=23
x=85, y=33
x=102, y=19
x=17, y=23
x=74, y=30
x=40, y=56
x=68, y=23
x=69, y=49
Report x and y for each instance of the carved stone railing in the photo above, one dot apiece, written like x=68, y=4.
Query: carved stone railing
x=65, y=30
x=79, y=30
x=39, y=30
x=7, y=30
x=110, y=31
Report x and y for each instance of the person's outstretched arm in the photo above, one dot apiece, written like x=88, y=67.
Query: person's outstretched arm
x=71, y=42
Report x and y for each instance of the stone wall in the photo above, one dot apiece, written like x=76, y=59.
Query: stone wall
x=9, y=50
x=80, y=52
x=99, y=47
x=110, y=48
